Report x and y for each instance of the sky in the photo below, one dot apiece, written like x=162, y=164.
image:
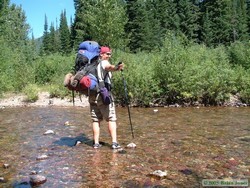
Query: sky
x=35, y=11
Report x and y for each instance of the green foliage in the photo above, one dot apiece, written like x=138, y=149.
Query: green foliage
x=31, y=91
x=239, y=53
x=138, y=75
x=143, y=28
x=101, y=20
x=13, y=26
x=15, y=70
x=179, y=72
x=195, y=73
x=64, y=34
x=58, y=90
x=223, y=22
x=241, y=78
x=188, y=14
x=49, y=68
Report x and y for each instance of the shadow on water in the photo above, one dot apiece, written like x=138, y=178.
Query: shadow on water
x=190, y=144
x=69, y=141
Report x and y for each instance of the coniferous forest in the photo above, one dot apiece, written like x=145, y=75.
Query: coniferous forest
x=175, y=51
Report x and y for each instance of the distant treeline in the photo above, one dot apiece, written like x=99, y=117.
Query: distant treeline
x=183, y=52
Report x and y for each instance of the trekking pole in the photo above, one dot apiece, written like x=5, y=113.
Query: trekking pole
x=73, y=96
x=126, y=101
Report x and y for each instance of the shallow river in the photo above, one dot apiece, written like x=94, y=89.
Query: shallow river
x=189, y=144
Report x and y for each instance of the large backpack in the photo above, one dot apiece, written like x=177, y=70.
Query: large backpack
x=88, y=53
x=87, y=74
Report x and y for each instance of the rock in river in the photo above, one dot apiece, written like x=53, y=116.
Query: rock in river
x=49, y=132
x=42, y=157
x=159, y=174
x=37, y=180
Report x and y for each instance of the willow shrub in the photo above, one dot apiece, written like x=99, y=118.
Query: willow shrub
x=194, y=73
x=242, y=83
x=181, y=74
x=16, y=72
x=50, y=71
x=31, y=91
x=5, y=60
x=139, y=77
x=239, y=54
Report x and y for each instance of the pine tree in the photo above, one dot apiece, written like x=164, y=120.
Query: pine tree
x=166, y=14
x=45, y=45
x=224, y=21
x=143, y=28
x=248, y=15
x=4, y=4
x=13, y=26
x=239, y=20
x=100, y=20
x=52, y=39
x=57, y=44
x=64, y=34
x=188, y=14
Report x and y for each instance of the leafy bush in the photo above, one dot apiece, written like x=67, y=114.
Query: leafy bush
x=58, y=90
x=180, y=72
x=239, y=53
x=194, y=73
x=241, y=78
x=15, y=71
x=138, y=75
x=49, y=68
x=31, y=91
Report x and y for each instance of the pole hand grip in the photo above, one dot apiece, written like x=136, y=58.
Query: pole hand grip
x=118, y=65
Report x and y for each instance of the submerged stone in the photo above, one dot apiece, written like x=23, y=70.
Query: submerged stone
x=37, y=180
x=49, y=132
x=159, y=173
x=2, y=179
x=131, y=145
x=42, y=157
x=67, y=123
x=6, y=166
x=77, y=143
x=186, y=171
x=245, y=138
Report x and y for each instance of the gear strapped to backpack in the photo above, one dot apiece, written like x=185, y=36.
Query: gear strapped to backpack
x=87, y=75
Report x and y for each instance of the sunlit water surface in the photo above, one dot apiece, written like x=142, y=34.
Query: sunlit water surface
x=190, y=144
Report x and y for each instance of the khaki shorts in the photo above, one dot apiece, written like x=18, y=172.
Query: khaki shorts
x=100, y=112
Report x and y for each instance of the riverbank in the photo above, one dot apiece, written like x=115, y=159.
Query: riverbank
x=44, y=99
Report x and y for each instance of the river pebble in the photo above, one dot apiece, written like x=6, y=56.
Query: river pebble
x=6, y=166
x=37, y=180
x=159, y=173
x=49, y=132
x=245, y=138
x=42, y=157
x=131, y=145
x=33, y=172
x=67, y=123
x=77, y=143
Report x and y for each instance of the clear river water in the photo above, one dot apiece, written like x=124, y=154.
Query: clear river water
x=188, y=144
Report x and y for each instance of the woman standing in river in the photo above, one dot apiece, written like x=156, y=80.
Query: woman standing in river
x=99, y=110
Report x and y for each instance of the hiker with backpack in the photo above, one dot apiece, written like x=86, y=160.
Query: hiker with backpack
x=99, y=110
x=92, y=77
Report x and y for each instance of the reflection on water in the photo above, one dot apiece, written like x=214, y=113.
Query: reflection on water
x=191, y=144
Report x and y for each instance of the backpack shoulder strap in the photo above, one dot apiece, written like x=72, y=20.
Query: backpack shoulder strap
x=100, y=74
